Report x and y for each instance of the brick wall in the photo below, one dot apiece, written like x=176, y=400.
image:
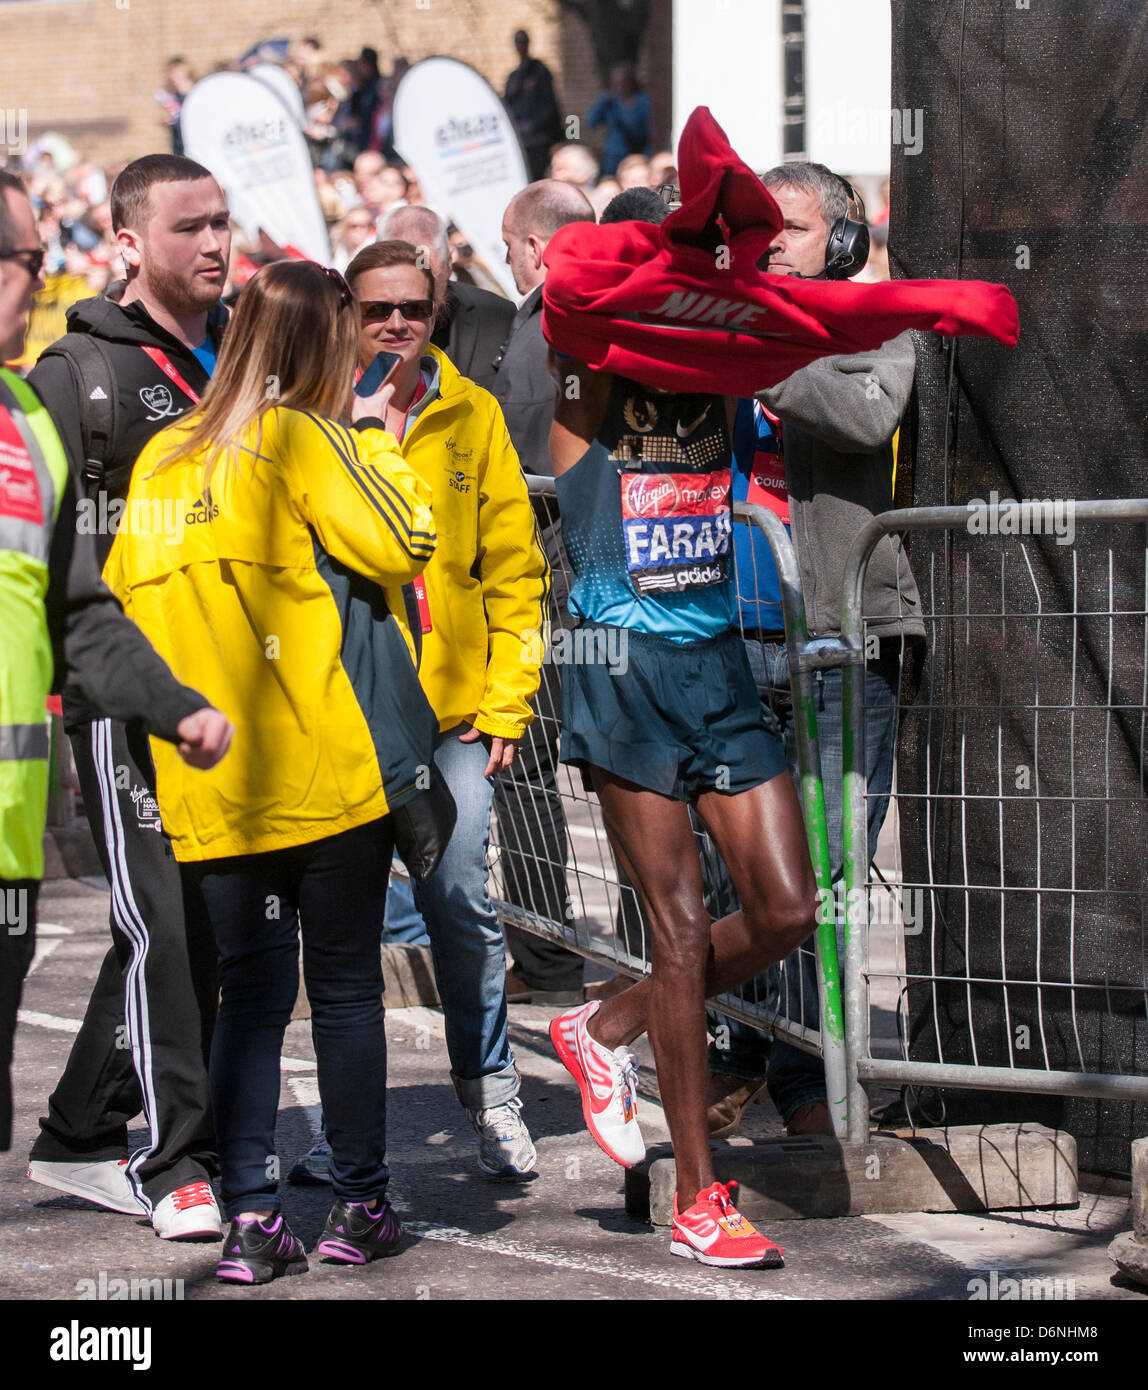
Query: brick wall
x=90, y=68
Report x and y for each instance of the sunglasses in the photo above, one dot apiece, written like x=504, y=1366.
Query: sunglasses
x=35, y=258
x=380, y=310
x=343, y=288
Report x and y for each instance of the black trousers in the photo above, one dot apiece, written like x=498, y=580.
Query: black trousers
x=146, y=1033
x=17, y=946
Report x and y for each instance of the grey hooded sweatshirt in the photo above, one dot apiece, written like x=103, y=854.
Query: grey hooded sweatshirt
x=838, y=418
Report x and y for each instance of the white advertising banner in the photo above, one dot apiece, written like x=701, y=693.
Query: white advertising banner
x=452, y=129
x=239, y=129
x=283, y=85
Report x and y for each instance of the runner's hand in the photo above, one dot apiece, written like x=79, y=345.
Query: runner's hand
x=204, y=737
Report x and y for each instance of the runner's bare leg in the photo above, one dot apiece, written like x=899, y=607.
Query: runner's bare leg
x=761, y=837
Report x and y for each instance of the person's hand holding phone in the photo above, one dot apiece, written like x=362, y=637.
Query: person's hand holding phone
x=373, y=391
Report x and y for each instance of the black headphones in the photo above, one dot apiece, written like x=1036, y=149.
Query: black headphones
x=847, y=250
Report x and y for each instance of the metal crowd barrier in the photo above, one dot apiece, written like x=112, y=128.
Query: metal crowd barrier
x=554, y=873
x=1033, y=763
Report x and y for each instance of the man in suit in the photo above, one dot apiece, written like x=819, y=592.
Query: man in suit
x=473, y=323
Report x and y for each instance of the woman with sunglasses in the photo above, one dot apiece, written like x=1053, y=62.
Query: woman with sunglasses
x=278, y=588
x=481, y=598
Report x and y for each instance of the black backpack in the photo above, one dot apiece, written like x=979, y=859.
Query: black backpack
x=99, y=401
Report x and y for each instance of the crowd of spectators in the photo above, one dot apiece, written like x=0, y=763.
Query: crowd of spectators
x=360, y=177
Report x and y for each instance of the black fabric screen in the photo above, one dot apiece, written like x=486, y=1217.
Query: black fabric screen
x=1033, y=172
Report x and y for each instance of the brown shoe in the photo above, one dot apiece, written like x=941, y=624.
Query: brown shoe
x=726, y=1098
x=810, y=1119
x=606, y=989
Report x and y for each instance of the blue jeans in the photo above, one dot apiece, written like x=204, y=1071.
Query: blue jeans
x=403, y=922
x=465, y=935
x=254, y=904
x=796, y=1078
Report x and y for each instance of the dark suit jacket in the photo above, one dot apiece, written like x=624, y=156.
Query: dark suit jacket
x=471, y=328
x=524, y=389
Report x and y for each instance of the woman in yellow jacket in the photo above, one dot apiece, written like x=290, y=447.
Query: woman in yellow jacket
x=264, y=553
x=481, y=598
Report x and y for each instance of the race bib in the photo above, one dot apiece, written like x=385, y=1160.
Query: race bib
x=676, y=529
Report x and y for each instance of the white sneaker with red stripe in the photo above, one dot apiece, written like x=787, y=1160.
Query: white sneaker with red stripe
x=714, y=1232
x=104, y=1182
x=188, y=1213
x=608, y=1082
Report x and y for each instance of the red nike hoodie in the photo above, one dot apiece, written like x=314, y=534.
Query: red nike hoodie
x=683, y=307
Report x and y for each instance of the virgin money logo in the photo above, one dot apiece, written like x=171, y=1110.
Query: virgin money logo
x=652, y=495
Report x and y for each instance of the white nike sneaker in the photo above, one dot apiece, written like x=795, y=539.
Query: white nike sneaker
x=608, y=1082
x=188, y=1213
x=104, y=1182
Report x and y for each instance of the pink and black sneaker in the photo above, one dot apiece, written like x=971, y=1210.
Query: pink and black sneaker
x=255, y=1252
x=355, y=1236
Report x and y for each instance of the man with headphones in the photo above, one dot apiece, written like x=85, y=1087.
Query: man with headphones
x=818, y=451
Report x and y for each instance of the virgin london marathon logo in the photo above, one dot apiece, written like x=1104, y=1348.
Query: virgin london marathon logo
x=158, y=400
x=147, y=809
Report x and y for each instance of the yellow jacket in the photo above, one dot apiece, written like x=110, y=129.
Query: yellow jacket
x=488, y=584
x=254, y=592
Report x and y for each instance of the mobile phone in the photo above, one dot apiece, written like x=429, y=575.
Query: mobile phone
x=377, y=373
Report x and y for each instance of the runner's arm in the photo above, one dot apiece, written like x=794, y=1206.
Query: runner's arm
x=580, y=401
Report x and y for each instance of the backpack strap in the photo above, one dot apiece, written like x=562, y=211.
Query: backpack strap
x=98, y=401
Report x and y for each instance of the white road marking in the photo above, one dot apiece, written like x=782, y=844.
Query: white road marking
x=43, y=950
x=52, y=929
x=73, y=1025
x=704, y=1285
x=37, y=1020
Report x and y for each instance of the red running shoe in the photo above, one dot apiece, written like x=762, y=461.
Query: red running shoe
x=608, y=1082
x=714, y=1232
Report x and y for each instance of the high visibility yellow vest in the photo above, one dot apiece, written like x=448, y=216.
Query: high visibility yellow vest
x=33, y=475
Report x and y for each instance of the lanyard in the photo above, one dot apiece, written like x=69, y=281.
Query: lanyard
x=419, y=585
x=162, y=361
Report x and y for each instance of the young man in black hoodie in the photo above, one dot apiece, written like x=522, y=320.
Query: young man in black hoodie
x=132, y=361
x=55, y=617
